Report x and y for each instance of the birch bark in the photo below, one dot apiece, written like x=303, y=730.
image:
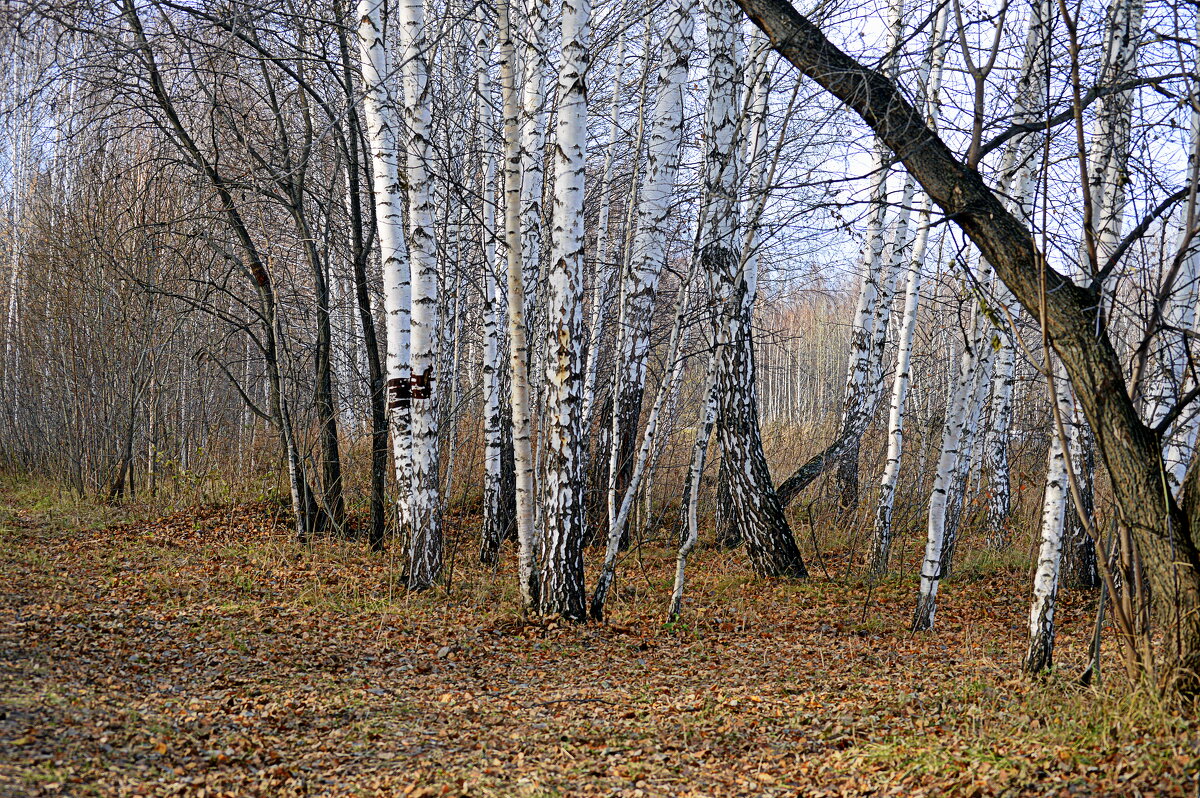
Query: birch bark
x=882, y=533
x=1039, y=656
x=975, y=368
x=1020, y=163
x=874, y=298
x=563, y=486
x=527, y=575
x=648, y=254
x=382, y=130
x=425, y=541
x=499, y=507
x=757, y=509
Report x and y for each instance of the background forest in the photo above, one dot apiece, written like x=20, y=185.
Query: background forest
x=665, y=313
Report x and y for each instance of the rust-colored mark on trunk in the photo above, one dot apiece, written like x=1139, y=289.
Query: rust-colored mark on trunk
x=398, y=393
x=422, y=385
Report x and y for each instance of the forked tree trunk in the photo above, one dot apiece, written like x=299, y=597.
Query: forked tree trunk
x=769, y=542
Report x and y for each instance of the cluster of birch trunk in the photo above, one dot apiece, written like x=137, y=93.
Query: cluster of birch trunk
x=599, y=272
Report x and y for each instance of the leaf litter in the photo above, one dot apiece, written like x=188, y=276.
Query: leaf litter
x=205, y=654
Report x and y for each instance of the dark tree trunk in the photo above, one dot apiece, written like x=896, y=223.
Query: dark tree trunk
x=847, y=476
x=756, y=508
x=728, y=536
x=1131, y=451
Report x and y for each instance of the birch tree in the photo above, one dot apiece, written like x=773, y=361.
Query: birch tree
x=874, y=298
x=882, y=533
x=527, y=570
x=425, y=546
x=648, y=255
x=382, y=130
x=759, y=514
x=499, y=506
x=563, y=483
x=1039, y=655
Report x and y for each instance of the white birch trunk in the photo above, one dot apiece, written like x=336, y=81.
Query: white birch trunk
x=563, y=485
x=975, y=367
x=425, y=546
x=874, y=296
x=1020, y=163
x=1040, y=654
x=1108, y=155
x=648, y=255
x=931, y=79
x=534, y=113
x=383, y=128
x=518, y=342
x=497, y=503
x=1180, y=316
x=882, y=536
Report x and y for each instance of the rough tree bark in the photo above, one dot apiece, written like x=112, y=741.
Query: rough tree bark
x=563, y=484
x=1162, y=527
x=769, y=542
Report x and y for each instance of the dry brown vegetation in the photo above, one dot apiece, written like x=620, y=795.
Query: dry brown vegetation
x=204, y=653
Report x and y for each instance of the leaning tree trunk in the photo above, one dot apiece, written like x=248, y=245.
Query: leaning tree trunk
x=563, y=484
x=1181, y=442
x=253, y=264
x=668, y=387
x=769, y=542
x=1132, y=454
x=690, y=527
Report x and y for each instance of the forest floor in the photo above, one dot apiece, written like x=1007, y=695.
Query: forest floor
x=206, y=654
